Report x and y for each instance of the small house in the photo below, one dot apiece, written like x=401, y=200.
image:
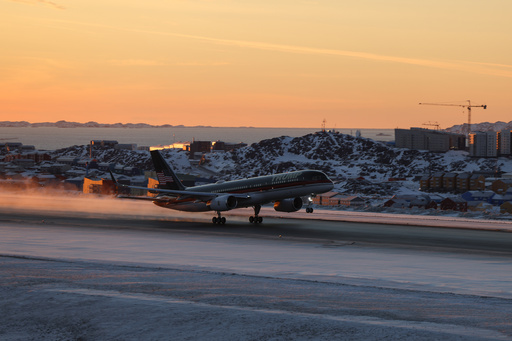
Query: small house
x=454, y=204
x=100, y=186
x=479, y=196
x=479, y=206
x=324, y=198
x=501, y=186
x=397, y=203
x=477, y=183
x=506, y=207
x=346, y=200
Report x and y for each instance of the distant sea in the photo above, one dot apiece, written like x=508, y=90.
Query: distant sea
x=50, y=138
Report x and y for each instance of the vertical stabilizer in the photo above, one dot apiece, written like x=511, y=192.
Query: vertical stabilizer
x=167, y=179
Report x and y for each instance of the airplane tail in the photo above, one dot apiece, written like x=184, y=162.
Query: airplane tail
x=167, y=179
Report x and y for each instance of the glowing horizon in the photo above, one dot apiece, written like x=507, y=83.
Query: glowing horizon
x=255, y=64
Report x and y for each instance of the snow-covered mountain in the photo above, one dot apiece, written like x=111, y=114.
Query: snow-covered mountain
x=90, y=124
x=342, y=157
x=483, y=126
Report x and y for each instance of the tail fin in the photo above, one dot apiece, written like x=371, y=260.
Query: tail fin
x=167, y=179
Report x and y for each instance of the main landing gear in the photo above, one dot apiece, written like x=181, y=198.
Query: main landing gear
x=256, y=219
x=219, y=220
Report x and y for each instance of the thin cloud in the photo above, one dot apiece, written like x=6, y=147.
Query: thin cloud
x=144, y=62
x=135, y=62
x=202, y=64
x=489, y=64
x=465, y=66
x=41, y=2
x=60, y=63
x=480, y=68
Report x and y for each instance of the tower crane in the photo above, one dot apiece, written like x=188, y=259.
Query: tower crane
x=435, y=124
x=469, y=106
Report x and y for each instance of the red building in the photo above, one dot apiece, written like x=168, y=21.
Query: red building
x=454, y=204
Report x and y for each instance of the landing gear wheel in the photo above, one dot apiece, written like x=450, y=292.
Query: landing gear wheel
x=256, y=219
x=219, y=220
x=309, y=209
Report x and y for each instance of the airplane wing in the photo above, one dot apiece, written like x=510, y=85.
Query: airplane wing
x=203, y=196
x=181, y=194
x=153, y=199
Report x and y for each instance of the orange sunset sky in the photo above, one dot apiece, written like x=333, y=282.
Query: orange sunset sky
x=261, y=63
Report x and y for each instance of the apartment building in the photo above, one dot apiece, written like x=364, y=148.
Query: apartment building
x=431, y=140
x=505, y=142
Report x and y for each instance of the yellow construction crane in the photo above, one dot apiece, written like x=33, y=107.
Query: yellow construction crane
x=469, y=106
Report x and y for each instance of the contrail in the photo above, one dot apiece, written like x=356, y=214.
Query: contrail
x=44, y=2
x=465, y=66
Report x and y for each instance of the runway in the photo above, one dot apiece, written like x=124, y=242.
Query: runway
x=490, y=240
x=132, y=272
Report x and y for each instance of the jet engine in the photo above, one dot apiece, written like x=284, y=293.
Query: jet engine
x=288, y=205
x=223, y=203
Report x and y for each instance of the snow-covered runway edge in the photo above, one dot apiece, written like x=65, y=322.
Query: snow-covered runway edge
x=49, y=300
x=388, y=218
x=108, y=282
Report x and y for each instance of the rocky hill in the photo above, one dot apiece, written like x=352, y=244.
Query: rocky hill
x=340, y=156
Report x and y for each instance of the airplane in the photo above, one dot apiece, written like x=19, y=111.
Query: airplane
x=285, y=190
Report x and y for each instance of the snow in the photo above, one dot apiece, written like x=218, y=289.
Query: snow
x=343, y=158
x=123, y=283
x=340, y=156
x=280, y=258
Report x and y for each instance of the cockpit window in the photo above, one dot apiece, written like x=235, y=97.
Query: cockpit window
x=316, y=176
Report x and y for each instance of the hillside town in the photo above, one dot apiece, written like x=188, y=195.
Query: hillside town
x=425, y=169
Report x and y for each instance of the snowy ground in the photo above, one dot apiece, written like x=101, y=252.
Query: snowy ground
x=109, y=282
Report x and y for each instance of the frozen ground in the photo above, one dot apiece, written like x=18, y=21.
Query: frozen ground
x=84, y=281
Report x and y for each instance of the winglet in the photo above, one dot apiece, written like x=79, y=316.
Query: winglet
x=112, y=176
x=116, y=187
